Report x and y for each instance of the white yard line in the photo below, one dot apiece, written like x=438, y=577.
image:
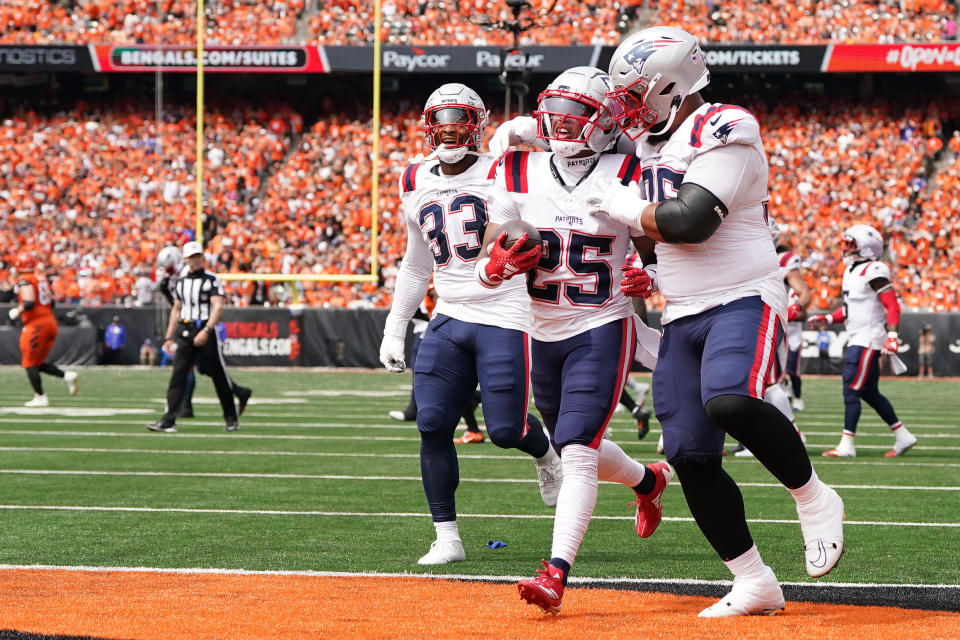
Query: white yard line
x=383, y=514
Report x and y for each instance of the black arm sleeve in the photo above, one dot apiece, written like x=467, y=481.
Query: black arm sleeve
x=690, y=218
x=164, y=288
x=29, y=304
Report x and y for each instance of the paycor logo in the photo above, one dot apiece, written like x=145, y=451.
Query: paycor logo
x=491, y=60
x=407, y=62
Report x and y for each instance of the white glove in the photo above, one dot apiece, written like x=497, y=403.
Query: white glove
x=14, y=313
x=520, y=130
x=616, y=201
x=391, y=354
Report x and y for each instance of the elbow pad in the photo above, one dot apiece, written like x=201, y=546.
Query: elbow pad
x=690, y=218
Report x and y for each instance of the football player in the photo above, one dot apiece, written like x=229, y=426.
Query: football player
x=798, y=299
x=35, y=310
x=704, y=172
x=871, y=315
x=584, y=328
x=475, y=335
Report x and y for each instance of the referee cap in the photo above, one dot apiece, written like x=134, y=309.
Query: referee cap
x=192, y=248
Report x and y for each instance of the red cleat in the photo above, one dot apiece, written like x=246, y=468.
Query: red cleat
x=544, y=591
x=649, y=507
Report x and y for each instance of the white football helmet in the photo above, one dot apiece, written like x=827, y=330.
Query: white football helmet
x=170, y=260
x=572, y=115
x=454, y=105
x=652, y=71
x=861, y=242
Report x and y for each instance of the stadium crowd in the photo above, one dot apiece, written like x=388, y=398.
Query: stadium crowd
x=95, y=193
x=460, y=22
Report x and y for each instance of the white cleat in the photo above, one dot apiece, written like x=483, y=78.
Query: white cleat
x=70, y=377
x=660, y=445
x=38, y=401
x=902, y=444
x=755, y=596
x=841, y=452
x=443, y=552
x=550, y=477
x=744, y=453
x=822, y=527
x=797, y=404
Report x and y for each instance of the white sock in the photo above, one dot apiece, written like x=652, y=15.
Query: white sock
x=810, y=492
x=775, y=395
x=446, y=530
x=614, y=465
x=746, y=564
x=846, y=440
x=578, y=497
x=548, y=458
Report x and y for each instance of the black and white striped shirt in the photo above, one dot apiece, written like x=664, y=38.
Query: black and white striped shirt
x=194, y=290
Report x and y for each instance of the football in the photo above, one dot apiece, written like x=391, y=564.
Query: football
x=515, y=229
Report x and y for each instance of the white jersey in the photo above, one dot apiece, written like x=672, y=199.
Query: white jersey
x=789, y=261
x=717, y=147
x=866, y=317
x=576, y=285
x=446, y=219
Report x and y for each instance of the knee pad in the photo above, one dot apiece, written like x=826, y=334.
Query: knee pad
x=730, y=409
x=431, y=420
x=505, y=436
x=851, y=395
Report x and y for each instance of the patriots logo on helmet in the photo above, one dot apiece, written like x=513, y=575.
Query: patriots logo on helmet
x=637, y=56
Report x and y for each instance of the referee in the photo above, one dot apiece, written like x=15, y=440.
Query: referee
x=191, y=332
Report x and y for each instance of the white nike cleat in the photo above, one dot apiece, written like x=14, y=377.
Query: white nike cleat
x=841, y=452
x=550, y=477
x=797, y=404
x=902, y=444
x=70, y=377
x=754, y=596
x=744, y=453
x=443, y=552
x=39, y=400
x=822, y=527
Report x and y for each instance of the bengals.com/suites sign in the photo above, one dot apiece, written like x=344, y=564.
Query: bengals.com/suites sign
x=854, y=58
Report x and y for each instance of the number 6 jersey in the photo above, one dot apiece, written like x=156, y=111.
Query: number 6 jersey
x=446, y=219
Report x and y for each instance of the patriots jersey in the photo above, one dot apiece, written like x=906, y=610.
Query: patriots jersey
x=718, y=147
x=446, y=219
x=789, y=261
x=576, y=285
x=866, y=317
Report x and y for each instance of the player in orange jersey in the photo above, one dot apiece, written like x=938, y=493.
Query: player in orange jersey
x=35, y=310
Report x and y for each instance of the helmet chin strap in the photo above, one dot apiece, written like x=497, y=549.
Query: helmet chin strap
x=666, y=125
x=451, y=155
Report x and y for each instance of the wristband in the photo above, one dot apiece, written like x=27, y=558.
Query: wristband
x=893, y=334
x=481, y=272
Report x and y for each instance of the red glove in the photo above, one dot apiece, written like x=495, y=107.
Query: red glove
x=506, y=263
x=636, y=283
x=793, y=312
x=892, y=345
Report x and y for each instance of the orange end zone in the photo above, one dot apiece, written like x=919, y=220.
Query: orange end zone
x=148, y=606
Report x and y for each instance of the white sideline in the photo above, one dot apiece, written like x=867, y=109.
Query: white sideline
x=426, y=576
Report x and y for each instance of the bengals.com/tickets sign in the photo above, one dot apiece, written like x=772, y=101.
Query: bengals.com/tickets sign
x=892, y=57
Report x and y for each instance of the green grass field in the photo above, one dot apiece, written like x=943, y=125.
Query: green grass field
x=319, y=478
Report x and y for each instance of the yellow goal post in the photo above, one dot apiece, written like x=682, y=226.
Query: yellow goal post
x=373, y=276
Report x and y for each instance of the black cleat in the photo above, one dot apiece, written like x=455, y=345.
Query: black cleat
x=232, y=425
x=643, y=421
x=243, y=397
x=186, y=411
x=159, y=425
